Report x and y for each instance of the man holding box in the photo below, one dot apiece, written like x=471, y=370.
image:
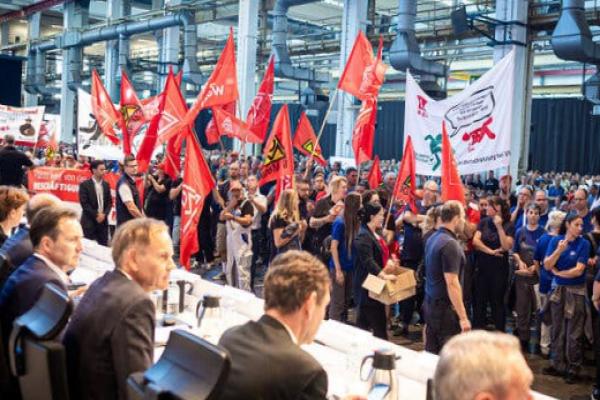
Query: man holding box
x=445, y=313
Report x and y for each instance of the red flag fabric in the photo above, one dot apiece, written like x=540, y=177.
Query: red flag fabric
x=259, y=113
x=104, y=110
x=172, y=163
x=212, y=132
x=197, y=185
x=361, y=57
x=406, y=181
x=144, y=153
x=374, y=74
x=221, y=87
x=132, y=113
x=452, y=187
x=375, y=178
x=173, y=112
x=305, y=140
x=278, y=153
x=364, y=131
x=227, y=124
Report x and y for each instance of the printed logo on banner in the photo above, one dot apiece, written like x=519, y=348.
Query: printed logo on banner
x=422, y=103
x=476, y=108
x=475, y=137
x=435, y=147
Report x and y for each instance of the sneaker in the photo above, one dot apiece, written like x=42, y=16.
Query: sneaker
x=552, y=371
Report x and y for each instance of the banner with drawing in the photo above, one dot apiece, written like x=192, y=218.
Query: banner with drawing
x=23, y=123
x=90, y=140
x=478, y=119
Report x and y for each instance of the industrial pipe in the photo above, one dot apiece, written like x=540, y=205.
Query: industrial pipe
x=283, y=63
x=572, y=38
x=405, y=52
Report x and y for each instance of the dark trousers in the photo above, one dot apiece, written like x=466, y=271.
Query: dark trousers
x=371, y=317
x=441, y=324
x=467, y=284
x=491, y=280
x=340, y=296
x=567, y=333
x=258, y=251
x=95, y=231
x=525, y=305
x=408, y=306
x=206, y=242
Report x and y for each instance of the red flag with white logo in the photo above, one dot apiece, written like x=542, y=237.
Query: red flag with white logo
x=363, y=134
x=197, y=185
x=259, y=113
x=228, y=125
x=452, y=187
x=361, y=57
x=406, y=181
x=107, y=116
x=212, y=132
x=375, y=178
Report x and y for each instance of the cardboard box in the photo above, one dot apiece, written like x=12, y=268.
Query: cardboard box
x=390, y=292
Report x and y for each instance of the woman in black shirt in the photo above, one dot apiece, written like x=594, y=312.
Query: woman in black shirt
x=157, y=194
x=492, y=241
x=12, y=207
x=285, y=224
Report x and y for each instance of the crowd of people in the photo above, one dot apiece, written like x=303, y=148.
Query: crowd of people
x=512, y=256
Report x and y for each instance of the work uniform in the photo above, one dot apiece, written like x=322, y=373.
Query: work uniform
x=443, y=254
x=567, y=303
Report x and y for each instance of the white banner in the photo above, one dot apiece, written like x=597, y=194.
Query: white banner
x=478, y=121
x=91, y=141
x=50, y=127
x=23, y=123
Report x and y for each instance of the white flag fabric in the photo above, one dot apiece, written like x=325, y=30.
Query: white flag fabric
x=478, y=119
x=91, y=141
x=22, y=123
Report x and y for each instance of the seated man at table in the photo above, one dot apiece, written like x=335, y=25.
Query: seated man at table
x=17, y=248
x=484, y=366
x=56, y=238
x=111, y=333
x=266, y=359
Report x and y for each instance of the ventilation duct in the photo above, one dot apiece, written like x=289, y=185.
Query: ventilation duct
x=405, y=52
x=283, y=63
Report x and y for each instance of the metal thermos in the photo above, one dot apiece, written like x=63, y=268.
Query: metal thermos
x=383, y=372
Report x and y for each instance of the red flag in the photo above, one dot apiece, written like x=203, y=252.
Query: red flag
x=259, y=113
x=104, y=110
x=361, y=57
x=375, y=177
x=212, y=132
x=305, y=140
x=172, y=163
x=144, y=153
x=197, y=185
x=278, y=153
x=452, y=187
x=131, y=111
x=364, y=131
x=227, y=124
x=221, y=87
x=374, y=74
x=406, y=181
x=174, y=111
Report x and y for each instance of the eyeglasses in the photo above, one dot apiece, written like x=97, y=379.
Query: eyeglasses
x=132, y=166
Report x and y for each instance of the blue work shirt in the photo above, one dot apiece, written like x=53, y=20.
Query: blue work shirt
x=578, y=251
x=539, y=255
x=338, y=234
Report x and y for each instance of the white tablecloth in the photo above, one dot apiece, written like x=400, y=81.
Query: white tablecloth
x=339, y=348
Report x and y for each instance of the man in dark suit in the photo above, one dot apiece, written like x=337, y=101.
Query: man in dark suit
x=56, y=238
x=12, y=163
x=296, y=295
x=95, y=200
x=111, y=333
x=18, y=248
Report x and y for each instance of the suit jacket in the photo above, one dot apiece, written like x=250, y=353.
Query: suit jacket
x=267, y=364
x=17, y=248
x=109, y=337
x=89, y=201
x=23, y=289
x=369, y=260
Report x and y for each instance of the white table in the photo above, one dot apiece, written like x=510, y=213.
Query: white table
x=339, y=348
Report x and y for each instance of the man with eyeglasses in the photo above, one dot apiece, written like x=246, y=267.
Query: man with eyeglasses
x=128, y=203
x=523, y=200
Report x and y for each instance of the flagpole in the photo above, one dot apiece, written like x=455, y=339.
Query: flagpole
x=333, y=98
